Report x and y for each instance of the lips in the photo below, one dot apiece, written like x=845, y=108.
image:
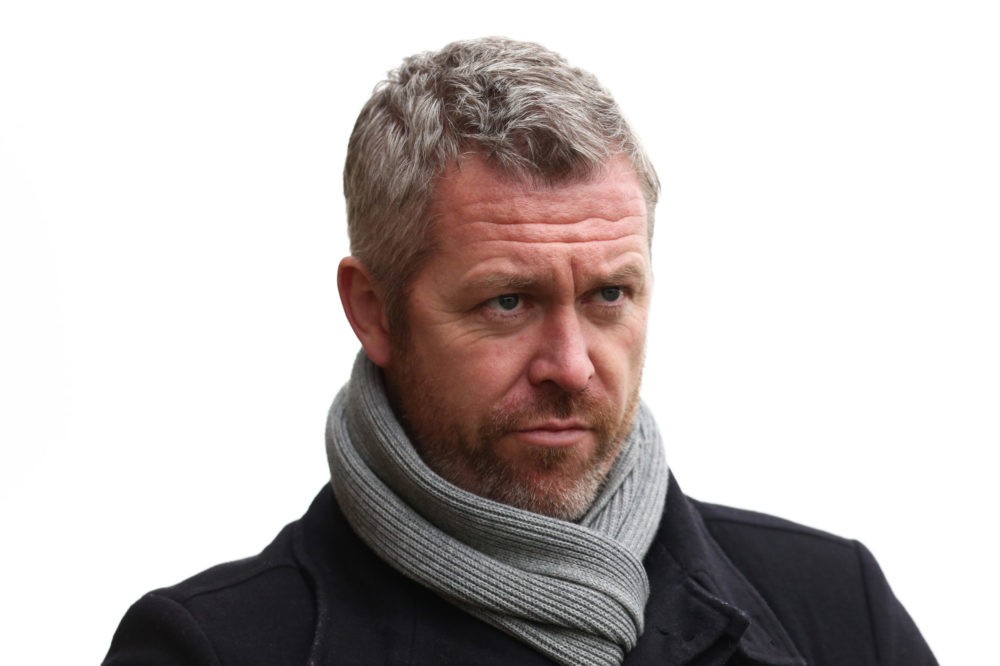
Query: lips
x=553, y=433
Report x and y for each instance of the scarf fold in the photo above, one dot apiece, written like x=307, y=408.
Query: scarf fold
x=574, y=591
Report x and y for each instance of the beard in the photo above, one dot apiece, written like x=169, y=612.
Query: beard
x=560, y=482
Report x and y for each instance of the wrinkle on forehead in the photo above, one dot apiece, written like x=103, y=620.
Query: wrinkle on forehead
x=476, y=190
x=546, y=206
x=583, y=231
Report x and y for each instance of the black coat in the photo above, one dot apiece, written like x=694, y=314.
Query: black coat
x=727, y=587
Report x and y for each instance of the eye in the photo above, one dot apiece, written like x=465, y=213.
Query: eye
x=611, y=294
x=507, y=302
x=506, y=309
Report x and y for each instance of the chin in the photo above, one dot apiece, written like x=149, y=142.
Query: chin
x=553, y=482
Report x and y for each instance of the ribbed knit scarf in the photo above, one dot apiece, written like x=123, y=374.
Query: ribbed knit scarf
x=574, y=591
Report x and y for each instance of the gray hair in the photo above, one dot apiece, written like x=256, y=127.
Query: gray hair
x=516, y=104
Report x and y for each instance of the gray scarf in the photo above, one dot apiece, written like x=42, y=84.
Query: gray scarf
x=574, y=591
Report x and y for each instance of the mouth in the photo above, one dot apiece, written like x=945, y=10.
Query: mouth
x=554, y=434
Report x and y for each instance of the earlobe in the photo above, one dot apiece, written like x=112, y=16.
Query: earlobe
x=365, y=309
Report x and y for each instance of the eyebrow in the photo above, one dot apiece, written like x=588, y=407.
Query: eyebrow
x=626, y=273
x=500, y=282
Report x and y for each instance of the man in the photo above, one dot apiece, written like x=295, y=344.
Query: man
x=498, y=493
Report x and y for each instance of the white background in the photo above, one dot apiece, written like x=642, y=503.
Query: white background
x=824, y=342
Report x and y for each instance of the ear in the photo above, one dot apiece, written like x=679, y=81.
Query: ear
x=365, y=309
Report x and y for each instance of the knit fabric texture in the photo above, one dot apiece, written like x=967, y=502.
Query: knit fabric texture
x=574, y=591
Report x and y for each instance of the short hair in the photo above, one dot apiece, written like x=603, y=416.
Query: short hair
x=517, y=105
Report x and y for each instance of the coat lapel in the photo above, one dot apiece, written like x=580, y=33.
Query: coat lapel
x=701, y=609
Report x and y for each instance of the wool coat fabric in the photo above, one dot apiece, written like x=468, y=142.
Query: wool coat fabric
x=727, y=587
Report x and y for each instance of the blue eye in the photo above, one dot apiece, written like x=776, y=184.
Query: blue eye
x=611, y=294
x=508, y=301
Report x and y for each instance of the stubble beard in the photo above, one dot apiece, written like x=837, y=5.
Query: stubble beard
x=558, y=482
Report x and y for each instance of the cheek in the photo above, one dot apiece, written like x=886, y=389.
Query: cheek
x=621, y=353
x=484, y=373
x=499, y=363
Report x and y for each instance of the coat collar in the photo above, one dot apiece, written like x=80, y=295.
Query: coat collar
x=701, y=609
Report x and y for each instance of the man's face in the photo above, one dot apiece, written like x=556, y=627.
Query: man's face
x=518, y=372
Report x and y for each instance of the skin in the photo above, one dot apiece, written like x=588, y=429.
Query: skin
x=518, y=375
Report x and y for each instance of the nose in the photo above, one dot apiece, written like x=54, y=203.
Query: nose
x=563, y=353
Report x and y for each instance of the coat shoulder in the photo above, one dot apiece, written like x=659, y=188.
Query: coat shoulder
x=229, y=613
x=828, y=591
x=275, y=564
x=718, y=517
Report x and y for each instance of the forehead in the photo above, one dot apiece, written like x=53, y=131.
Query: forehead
x=473, y=200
